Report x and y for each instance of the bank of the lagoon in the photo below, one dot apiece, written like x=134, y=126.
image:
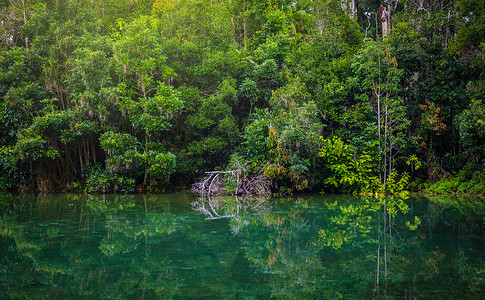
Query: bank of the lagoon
x=184, y=247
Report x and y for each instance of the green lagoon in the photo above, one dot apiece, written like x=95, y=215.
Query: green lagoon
x=181, y=246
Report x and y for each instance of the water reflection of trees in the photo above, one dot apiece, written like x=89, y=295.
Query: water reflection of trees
x=135, y=247
x=409, y=258
x=366, y=247
x=277, y=244
x=280, y=244
x=54, y=264
x=367, y=230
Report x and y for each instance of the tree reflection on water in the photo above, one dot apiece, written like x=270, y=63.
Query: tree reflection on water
x=179, y=246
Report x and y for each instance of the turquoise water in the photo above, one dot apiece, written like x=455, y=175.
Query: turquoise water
x=183, y=247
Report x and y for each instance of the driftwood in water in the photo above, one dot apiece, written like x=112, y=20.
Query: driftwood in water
x=232, y=182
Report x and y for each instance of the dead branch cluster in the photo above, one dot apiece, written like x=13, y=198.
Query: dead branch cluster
x=232, y=182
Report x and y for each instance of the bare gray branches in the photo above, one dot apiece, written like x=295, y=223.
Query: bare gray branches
x=234, y=182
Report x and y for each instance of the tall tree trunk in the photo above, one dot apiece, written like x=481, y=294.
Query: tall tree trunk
x=385, y=143
x=385, y=18
x=348, y=6
x=80, y=156
x=379, y=118
x=94, y=152
x=145, y=177
x=233, y=22
x=25, y=22
x=245, y=33
x=385, y=240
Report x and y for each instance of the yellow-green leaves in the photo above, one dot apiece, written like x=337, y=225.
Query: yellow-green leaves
x=414, y=226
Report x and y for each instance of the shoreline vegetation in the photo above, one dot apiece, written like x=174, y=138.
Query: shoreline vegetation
x=455, y=187
x=260, y=97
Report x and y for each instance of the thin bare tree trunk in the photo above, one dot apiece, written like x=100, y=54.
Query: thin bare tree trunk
x=233, y=23
x=94, y=152
x=385, y=241
x=245, y=34
x=25, y=22
x=145, y=177
x=80, y=156
x=379, y=120
x=385, y=140
x=378, y=261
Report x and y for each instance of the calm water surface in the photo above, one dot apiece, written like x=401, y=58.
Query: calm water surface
x=183, y=247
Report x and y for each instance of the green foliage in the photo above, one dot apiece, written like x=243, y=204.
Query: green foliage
x=125, y=156
x=347, y=170
x=157, y=88
x=117, y=143
x=103, y=181
x=470, y=35
x=471, y=126
x=353, y=172
x=285, y=139
x=160, y=164
x=20, y=97
x=6, y=168
x=377, y=78
x=461, y=184
x=249, y=90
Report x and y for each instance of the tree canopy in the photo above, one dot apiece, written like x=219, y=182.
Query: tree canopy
x=314, y=95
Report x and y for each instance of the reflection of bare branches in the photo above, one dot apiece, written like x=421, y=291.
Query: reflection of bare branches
x=209, y=206
x=228, y=207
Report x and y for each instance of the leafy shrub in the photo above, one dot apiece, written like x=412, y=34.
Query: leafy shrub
x=103, y=181
x=459, y=185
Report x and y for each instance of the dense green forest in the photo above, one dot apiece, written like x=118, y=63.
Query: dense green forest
x=324, y=95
